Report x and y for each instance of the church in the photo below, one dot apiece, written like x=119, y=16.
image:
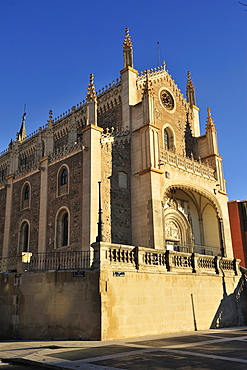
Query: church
x=114, y=219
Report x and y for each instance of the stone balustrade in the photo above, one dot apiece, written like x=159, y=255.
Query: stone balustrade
x=121, y=258
x=125, y=257
x=187, y=164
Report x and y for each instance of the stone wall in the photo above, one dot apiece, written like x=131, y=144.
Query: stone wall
x=2, y=215
x=71, y=200
x=50, y=305
x=121, y=193
x=145, y=303
x=146, y=292
x=30, y=214
x=129, y=291
x=111, y=118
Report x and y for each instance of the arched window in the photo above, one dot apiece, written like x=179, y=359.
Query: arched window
x=26, y=192
x=63, y=181
x=65, y=230
x=166, y=140
x=24, y=237
x=62, y=228
x=25, y=196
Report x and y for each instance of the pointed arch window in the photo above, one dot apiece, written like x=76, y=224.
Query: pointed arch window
x=25, y=196
x=64, y=176
x=65, y=230
x=63, y=180
x=24, y=237
x=62, y=228
x=168, y=139
x=26, y=192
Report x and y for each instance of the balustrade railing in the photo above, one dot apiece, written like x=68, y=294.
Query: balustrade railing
x=185, y=163
x=60, y=261
x=117, y=256
x=121, y=255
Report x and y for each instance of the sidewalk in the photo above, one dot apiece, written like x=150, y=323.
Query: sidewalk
x=210, y=349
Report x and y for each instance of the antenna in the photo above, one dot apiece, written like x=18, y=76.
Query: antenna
x=158, y=50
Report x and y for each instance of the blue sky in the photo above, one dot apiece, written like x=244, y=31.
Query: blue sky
x=48, y=49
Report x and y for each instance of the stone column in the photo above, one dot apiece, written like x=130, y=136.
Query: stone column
x=91, y=175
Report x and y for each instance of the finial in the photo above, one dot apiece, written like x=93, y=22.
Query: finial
x=21, y=135
x=50, y=115
x=210, y=123
x=127, y=39
x=190, y=84
x=128, y=50
x=91, y=93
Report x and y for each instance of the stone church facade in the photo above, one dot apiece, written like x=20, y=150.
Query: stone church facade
x=125, y=180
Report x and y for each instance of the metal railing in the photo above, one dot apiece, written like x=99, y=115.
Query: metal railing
x=72, y=260
x=200, y=249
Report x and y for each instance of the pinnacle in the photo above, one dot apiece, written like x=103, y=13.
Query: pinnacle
x=190, y=85
x=127, y=40
x=210, y=123
x=91, y=93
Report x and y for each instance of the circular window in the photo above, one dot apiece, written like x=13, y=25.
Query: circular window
x=167, y=100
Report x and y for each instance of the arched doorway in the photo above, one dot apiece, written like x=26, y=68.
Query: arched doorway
x=191, y=221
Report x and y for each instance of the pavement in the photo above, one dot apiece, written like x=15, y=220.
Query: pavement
x=209, y=349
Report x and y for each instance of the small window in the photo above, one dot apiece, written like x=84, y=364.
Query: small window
x=166, y=140
x=64, y=176
x=25, y=196
x=63, y=181
x=26, y=192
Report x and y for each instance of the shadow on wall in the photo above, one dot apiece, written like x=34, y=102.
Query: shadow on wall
x=233, y=308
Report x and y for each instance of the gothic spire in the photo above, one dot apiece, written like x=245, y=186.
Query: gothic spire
x=91, y=99
x=21, y=135
x=190, y=91
x=210, y=123
x=128, y=50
